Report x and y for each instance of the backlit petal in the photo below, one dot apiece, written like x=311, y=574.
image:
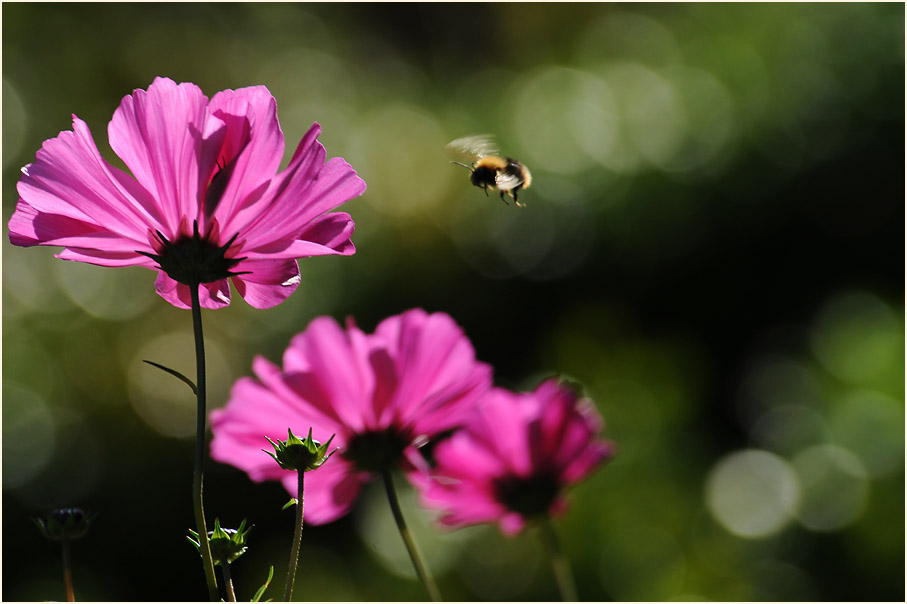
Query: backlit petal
x=268, y=283
x=158, y=135
x=70, y=191
x=211, y=295
x=257, y=153
x=330, y=491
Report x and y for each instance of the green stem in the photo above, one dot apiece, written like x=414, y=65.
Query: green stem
x=228, y=582
x=297, y=538
x=67, y=571
x=198, y=475
x=411, y=547
x=558, y=562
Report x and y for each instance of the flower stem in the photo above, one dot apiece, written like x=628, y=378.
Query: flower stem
x=297, y=538
x=558, y=562
x=411, y=547
x=67, y=571
x=198, y=475
x=228, y=582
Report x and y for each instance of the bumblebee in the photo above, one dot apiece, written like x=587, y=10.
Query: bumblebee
x=488, y=169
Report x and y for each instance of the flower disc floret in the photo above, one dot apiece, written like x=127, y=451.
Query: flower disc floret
x=528, y=496
x=194, y=260
x=376, y=451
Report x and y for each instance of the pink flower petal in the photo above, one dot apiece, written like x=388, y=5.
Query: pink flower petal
x=71, y=192
x=511, y=524
x=579, y=466
x=296, y=396
x=500, y=425
x=330, y=491
x=297, y=197
x=329, y=234
x=256, y=159
x=444, y=493
x=268, y=283
x=211, y=295
x=338, y=375
x=471, y=459
x=87, y=242
x=158, y=134
x=240, y=432
x=111, y=259
x=439, y=378
x=480, y=512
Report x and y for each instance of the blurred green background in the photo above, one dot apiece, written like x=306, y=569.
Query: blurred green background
x=713, y=245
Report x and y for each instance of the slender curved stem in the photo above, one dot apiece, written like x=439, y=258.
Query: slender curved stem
x=67, y=571
x=297, y=538
x=201, y=418
x=228, y=582
x=558, y=562
x=411, y=546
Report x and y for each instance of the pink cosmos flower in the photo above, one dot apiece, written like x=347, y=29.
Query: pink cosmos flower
x=381, y=395
x=513, y=460
x=204, y=202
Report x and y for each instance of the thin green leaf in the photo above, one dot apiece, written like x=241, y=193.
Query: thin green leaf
x=176, y=374
x=261, y=590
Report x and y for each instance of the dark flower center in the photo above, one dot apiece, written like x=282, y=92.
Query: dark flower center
x=376, y=451
x=194, y=259
x=528, y=496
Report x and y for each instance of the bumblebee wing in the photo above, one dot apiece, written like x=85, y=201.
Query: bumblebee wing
x=473, y=147
x=507, y=180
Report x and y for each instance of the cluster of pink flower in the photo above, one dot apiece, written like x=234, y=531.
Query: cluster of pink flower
x=205, y=205
x=413, y=385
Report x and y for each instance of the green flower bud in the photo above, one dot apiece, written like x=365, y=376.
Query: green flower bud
x=301, y=455
x=226, y=544
x=65, y=524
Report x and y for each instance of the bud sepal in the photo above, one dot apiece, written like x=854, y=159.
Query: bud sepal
x=65, y=524
x=226, y=544
x=300, y=455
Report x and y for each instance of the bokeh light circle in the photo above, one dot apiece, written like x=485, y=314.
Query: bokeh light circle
x=653, y=117
x=496, y=568
x=787, y=428
x=834, y=487
x=710, y=120
x=105, y=292
x=752, y=493
x=639, y=554
x=870, y=425
x=161, y=400
x=566, y=120
x=858, y=338
x=29, y=434
x=399, y=151
x=15, y=123
x=622, y=34
x=379, y=532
